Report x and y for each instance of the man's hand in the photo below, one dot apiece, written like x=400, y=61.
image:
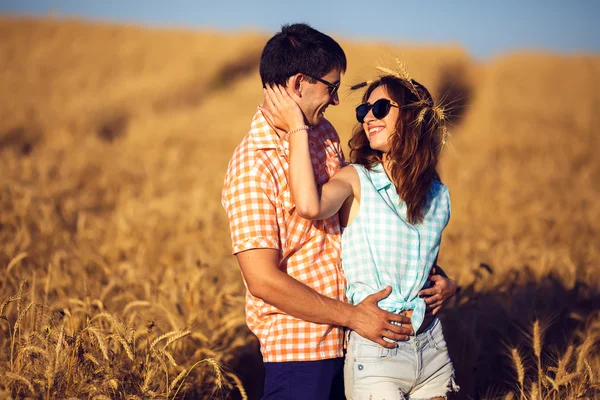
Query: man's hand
x=436, y=296
x=373, y=323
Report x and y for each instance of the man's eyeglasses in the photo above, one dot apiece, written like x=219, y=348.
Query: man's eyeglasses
x=381, y=108
x=332, y=87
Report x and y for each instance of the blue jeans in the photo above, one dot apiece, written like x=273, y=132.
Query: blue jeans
x=304, y=380
x=419, y=368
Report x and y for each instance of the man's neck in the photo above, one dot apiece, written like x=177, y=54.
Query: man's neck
x=279, y=132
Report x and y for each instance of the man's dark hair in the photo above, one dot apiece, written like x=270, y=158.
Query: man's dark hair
x=298, y=48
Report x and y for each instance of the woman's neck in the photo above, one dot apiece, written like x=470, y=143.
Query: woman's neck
x=386, y=164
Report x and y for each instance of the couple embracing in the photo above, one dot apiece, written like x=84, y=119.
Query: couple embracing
x=339, y=260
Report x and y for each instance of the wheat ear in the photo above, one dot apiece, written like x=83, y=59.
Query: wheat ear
x=519, y=368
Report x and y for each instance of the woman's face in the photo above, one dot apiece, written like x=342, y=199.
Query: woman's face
x=379, y=131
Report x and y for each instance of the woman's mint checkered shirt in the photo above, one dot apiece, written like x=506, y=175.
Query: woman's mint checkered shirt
x=381, y=248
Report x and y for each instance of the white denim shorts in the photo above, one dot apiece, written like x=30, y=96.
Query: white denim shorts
x=417, y=369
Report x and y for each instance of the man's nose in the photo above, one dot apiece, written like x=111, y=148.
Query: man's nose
x=335, y=99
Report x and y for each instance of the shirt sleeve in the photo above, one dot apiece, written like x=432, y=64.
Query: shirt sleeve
x=249, y=201
x=447, y=201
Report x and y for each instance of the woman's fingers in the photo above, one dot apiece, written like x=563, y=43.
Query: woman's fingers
x=270, y=93
x=283, y=98
x=268, y=98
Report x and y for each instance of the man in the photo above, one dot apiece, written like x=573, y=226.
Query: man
x=291, y=266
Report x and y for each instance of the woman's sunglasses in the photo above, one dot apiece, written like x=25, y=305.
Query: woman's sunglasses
x=381, y=108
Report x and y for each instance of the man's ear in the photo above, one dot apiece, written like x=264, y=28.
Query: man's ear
x=294, y=84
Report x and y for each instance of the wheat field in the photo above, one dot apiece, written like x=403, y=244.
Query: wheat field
x=117, y=279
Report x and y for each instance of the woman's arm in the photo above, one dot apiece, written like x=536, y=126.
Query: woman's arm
x=311, y=203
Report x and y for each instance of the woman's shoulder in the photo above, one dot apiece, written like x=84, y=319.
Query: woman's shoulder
x=438, y=189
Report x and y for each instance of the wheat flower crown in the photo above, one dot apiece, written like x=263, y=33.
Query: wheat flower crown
x=401, y=72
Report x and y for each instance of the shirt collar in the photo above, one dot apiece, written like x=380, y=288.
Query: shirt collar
x=263, y=136
x=379, y=177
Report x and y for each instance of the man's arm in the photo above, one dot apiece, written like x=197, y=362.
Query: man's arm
x=267, y=282
x=443, y=289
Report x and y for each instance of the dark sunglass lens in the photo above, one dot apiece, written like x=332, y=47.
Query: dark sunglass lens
x=361, y=112
x=381, y=108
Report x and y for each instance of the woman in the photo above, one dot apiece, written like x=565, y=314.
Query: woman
x=394, y=209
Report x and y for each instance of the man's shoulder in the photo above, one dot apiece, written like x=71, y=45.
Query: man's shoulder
x=248, y=160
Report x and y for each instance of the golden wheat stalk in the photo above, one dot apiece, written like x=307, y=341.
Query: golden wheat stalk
x=123, y=342
x=537, y=350
x=567, y=379
x=176, y=337
x=20, y=296
x=552, y=382
x=238, y=385
x=47, y=284
x=168, y=356
x=135, y=304
x=200, y=336
x=21, y=316
x=218, y=374
x=7, y=302
x=518, y=362
x=31, y=349
x=162, y=337
x=53, y=366
x=100, y=340
x=177, y=379
x=537, y=339
x=110, y=318
x=156, y=354
x=584, y=351
x=15, y=261
x=98, y=304
x=534, y=392
x=561, y=369
x=90, y=357
x=77, y=302
x=148, y=377
x=19, y=378
x=590, y=371
x=174, y=320
x=16, y=329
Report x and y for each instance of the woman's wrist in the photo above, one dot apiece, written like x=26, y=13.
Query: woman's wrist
x=298, y=129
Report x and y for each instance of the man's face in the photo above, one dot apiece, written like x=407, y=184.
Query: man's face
x=316, y=97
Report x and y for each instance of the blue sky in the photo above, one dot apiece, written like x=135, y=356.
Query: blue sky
x=485, y=28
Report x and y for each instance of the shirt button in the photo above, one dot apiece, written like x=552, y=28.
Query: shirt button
x=360, y=367
x=312, y=143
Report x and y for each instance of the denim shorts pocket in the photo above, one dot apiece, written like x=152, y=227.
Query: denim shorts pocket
x=437, y=338
x=366, y=352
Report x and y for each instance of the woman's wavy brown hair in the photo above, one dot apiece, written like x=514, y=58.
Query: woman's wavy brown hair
x=414, y=147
